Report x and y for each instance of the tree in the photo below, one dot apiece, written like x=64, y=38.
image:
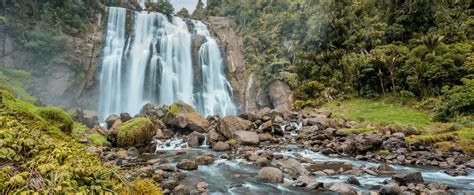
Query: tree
x=183, y=13
x=199, y=13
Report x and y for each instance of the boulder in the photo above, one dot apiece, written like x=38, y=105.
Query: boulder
x=136, y=132
x=393, y=144
x=91, y=118
x=111, y=120
x=246, y=137
x=353, y=180
x=342, y=188
x=229, y=124
x=125, y=116
x=181, y=190
x=304, y=180
x=263, y=137
x=406, y=178
x=270, y=174
x=184, y=116
x=294, y=168
x=385, y=168
x=202, y=187
x=281, y=96
x=169, y=184
x=187, y=165
x=221, y=146
x=195, y=139
x=204, y=160
x=390, y=189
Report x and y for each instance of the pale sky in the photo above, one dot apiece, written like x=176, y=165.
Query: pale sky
x=188, y=4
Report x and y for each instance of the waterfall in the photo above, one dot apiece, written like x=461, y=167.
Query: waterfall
x=217, y=91
x=111, y=76
x=153, y=63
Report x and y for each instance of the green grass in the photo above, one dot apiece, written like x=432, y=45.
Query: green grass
x=374, y=115
x=379, y=112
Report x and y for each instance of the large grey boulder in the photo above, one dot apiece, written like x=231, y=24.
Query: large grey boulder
x=270, y=174
x=246, y=137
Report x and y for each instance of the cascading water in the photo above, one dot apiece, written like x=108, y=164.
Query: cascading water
x=155, y=66
x=217, y=92
x=110, y=100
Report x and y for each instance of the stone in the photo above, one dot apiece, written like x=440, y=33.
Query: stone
x=406, y=178
x=294, y=168
x=262, y=161
x=342, y=188
x=438, y=186
x=270, y=174
x=169, y=184
x=315, y=185
x=399, y=135
x=390, y=189
x=133, y=152
x=246, y=137
x=195, y=139
x=263, y=137
x=181, y=190
x=125, y=116
x=202, y=187
x=93, y=149
x=281, y=96
x=187, y=165
x=229, y=124
x=136, y=132
x=91, y=118
x=221, y=146
x=204, y=160
x=184, y=116
x=304, y=180
x=111, y=120
x=385, y=168
x=393, y=144
x=353, y=180
x=214, y=136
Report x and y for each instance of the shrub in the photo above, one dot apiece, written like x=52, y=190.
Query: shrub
x=458, y=100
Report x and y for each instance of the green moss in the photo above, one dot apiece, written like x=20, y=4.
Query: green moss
x=232, y=141
x=463, y=137
x=359, y=130
x=57, y=117
x=41, y=149
x=145, y=187
x=174, y=108
x=136, y=131
x=383, y=152
x=98, y=140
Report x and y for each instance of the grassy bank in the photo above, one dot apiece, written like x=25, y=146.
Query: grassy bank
x=383, y=114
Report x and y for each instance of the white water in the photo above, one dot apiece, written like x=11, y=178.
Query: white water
x=154, y=65
x=110, y=99
x=217, y=92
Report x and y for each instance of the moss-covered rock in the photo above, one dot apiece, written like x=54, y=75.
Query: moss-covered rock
x=184, y=116
x=136, y=132
x=98, y=140
x=57, y=117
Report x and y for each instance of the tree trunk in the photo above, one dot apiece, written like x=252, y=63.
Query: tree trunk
x=393, y=81
x=381, y=81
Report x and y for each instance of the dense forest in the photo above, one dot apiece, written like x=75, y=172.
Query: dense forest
x=330, y=50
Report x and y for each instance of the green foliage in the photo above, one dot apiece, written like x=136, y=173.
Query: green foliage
x=458, y=101
x=162, y=6
x=355, y=48
x=183, y=13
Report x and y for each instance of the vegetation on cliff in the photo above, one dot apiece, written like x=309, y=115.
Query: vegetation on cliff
x=328, y=50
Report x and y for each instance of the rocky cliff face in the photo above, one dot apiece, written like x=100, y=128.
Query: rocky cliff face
x=248, y=92
x=70, y=74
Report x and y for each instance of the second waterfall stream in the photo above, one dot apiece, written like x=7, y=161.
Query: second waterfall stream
x=155, y=63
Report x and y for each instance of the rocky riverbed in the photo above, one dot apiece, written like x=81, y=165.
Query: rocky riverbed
x=272, y=152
